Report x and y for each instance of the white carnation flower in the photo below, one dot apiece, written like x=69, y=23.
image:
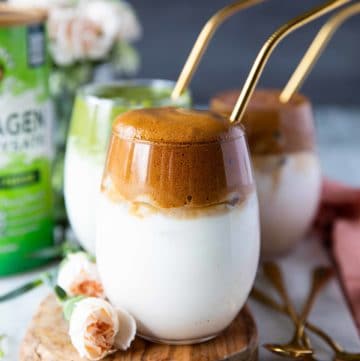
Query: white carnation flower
x=118, y=16
x=96, y=329
x=93, y=328
x=79, y=276
x=90, y=30
x=61, y=26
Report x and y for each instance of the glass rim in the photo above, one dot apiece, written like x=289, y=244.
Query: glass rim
x=178, y=144
x=88, y=91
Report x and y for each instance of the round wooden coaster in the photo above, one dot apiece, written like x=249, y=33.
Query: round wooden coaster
x=47, y=340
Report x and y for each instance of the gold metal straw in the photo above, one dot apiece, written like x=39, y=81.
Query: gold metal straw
x=316, y=48
x=203, y=40
x=268, y=48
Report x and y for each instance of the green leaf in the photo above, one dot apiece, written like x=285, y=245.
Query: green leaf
x=60, y=293
x=50, y=278
x=69, y=306
x=70, y=247
x=125, y=58
x=70, y=77
x=91, y=258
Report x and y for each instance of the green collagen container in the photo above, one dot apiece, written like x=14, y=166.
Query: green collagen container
x=26, y=152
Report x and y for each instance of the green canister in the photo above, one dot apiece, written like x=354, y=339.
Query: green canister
x=26, y=146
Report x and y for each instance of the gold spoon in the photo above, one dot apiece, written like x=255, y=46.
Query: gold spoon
x=261, y=297
x=340, y=353
x=296, y=348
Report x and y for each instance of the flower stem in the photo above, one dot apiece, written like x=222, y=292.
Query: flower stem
x=45, y=278
x=22, y=290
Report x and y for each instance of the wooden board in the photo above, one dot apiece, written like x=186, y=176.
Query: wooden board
x=47, y=340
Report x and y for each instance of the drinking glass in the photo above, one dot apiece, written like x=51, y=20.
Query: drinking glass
x=178, y=231
x=95, y=108
x=286, y=165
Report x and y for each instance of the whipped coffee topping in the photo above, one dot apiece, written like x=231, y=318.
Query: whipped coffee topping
x=172, y=158
x=174, y=125
x=272, y=127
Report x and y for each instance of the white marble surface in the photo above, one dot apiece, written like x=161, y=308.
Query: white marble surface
x=15, y=315
x=330, y=311
x=339, y=151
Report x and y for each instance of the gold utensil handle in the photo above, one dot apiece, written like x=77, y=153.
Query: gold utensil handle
x=261, y=297
x=315, y=50
x=274, y=274
x=267, y=49
x=320, y=277
x=203, y=40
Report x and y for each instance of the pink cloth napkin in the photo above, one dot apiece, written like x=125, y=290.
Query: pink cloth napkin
x=339, y=223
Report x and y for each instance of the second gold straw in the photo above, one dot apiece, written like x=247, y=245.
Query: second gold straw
x=269, y=47
x=315, y=50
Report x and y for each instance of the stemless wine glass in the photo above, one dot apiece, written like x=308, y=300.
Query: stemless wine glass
x=286, y=166
x=178, y=232
x=95, y=108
